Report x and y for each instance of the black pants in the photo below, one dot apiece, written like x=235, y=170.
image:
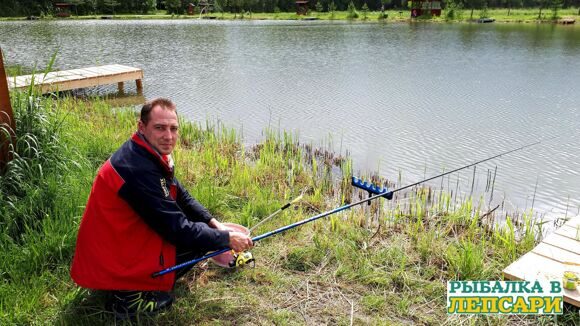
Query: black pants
x=183, y=255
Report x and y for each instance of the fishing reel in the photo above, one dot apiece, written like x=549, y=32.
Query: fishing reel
x=241, y=259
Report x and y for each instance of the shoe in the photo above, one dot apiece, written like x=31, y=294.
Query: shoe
x=128, y=304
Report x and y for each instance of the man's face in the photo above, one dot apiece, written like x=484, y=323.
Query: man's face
x=162, y=129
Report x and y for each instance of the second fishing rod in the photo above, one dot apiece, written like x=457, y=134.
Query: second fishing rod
x=338, y=209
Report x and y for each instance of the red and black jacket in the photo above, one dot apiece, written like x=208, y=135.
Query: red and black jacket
x=136, y=215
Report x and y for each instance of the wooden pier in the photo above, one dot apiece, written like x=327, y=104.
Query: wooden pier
x=80, y=78
x=567, y=21
x=557, y=253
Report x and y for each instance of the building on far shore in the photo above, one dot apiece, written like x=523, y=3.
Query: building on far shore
x=301, y=7
x=62, y=9
x=425, y=7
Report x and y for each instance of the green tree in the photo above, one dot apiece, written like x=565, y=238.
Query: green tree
x=318, y=7
x=484, y=13
x=148, y=6
x=509, y=4
x=92, y=6
x=332, y=9
x=453, y=10
x=541, y=4
x=173, y=6
x=76, y=4
x=474, y=4
x=365, y=10
x=111, y=5
x=383, y=15
x=247, y=5
x=33, y=7
x=237, y=4
x=352, y=14
x=555, y=5
x=9, y=8
x=217, y=7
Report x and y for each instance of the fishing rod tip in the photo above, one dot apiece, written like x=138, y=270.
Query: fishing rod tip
x=297, y=199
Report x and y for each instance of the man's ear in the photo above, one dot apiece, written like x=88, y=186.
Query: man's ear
x=140, y=126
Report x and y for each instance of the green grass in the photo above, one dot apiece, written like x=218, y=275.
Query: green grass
x=17, y=70
x=519, y=15
x=379, y=264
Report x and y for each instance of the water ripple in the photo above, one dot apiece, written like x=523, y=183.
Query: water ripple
x=403, y=98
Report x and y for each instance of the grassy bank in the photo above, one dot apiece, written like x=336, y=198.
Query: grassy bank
x=380, y=264
x=520, y=15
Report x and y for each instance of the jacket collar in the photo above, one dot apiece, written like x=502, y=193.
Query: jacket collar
x=164, y=160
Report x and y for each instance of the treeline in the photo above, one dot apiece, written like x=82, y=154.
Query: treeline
x=10, y=8
x=78, y=7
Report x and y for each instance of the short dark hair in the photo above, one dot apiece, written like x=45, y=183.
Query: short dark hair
x=164, y=103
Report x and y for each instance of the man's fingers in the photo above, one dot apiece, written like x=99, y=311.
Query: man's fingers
x=240, y=242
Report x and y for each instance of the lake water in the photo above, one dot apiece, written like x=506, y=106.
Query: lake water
x=407, y=98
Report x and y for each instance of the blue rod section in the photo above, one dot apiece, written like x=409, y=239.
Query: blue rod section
x=255, y=239
x=191, y=262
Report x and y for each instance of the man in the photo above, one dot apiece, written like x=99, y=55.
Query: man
x=139, y=219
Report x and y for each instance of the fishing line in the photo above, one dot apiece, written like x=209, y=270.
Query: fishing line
x=288, y=204
x=342, y=208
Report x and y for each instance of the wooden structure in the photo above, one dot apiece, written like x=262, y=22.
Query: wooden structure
x=567, y=21
x=80, y=78
x=301, y=7
x=485, y=20
x=205, y=7
x=62, y=9
x=425, y=7
x=190, y=9
x=557, y=253
x=6, y=119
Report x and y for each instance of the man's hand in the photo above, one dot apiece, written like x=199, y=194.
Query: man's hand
x=240, y=242
x=213, y=223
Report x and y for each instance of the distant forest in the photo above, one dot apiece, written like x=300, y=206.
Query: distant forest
x=10, y=8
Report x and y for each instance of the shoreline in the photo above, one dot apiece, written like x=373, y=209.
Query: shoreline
x=516, y=16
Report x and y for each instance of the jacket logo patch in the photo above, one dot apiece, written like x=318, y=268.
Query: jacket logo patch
x=164, y=187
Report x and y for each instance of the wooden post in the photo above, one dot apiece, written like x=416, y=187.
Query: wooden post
x=120, y=86
x=139, y=84
x=7, y=122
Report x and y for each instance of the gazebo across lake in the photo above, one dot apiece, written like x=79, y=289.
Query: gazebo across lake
x=425, y=7
x=301, y=7
x=62, y=9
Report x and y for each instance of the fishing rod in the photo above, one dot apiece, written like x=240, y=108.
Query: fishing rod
x=246, y=257
x=288, y=204
x=338, y=209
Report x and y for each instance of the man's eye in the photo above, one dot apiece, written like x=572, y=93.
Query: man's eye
x=159, y=127
x=174, y=129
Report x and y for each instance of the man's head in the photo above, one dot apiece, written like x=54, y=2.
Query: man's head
x=159, y=125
